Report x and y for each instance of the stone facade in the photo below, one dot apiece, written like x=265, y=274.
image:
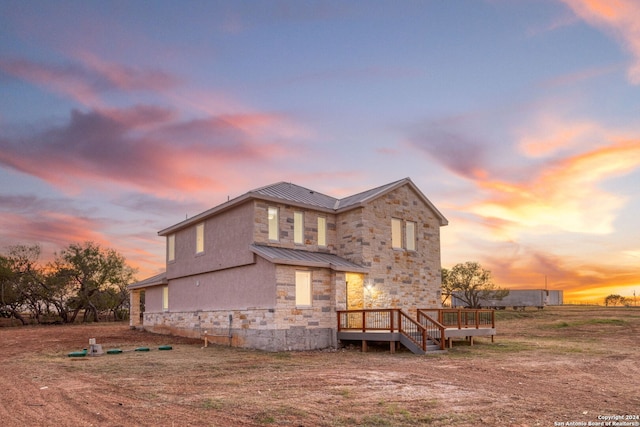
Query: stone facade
x=398, y=278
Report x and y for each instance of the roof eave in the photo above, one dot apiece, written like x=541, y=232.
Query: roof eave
x=235, y=202
x=206, y=214
x=158, y=280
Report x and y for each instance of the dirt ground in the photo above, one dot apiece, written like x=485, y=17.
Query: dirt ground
x=571, y=365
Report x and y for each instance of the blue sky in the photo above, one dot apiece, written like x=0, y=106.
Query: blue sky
x=518, y=119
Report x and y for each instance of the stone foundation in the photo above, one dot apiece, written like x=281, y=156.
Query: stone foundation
x=248, y=329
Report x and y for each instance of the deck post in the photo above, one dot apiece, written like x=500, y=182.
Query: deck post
x=364, y=346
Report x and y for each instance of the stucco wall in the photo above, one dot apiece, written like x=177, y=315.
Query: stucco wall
x=250, y=286
x=282, y=327
x=153, y=299
x=227, y=237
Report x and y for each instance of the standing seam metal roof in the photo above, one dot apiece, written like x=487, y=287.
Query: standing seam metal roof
x=279, y=255
x=295, y=194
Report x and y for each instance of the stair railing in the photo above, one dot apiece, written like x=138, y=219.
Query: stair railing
x=434, y=329
x=413, y=330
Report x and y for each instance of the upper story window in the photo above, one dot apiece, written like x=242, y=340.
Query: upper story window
x=396, y=233
x=274, y=228
x=171, y=247
x=298, y=228
x=200, y=238
x=322, y=231
x=410, y=235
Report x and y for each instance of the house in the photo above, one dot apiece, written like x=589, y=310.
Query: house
x=270, y=269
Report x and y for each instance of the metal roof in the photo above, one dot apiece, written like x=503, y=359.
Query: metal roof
x=278, y=255
x=157, y=280
x=296, y=195
x=368, y=195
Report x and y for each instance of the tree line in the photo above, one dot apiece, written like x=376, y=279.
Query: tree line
x=83, y=280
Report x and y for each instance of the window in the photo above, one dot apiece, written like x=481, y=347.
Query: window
x=165, y=298
x=303, y=288
x=322, y=231
x=171, y=247
x=200, y=238
x=298, y=228
x=396, y=233
x=273, y=223
x=410, y=235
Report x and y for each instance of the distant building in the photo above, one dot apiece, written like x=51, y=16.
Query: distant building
x=517, y=298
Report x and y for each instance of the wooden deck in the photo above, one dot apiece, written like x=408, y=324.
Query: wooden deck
x=433, y=329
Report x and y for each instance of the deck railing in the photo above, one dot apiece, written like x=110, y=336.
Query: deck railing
x=434, y=329
x=462, y=318
x=364, y=320
x=393, y=320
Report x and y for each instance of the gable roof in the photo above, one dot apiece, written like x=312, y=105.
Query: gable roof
x=292, y=194
x=278, y=255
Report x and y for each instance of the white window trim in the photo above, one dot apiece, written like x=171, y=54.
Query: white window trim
x=306, y=276
x=322, y=231
x=165, y=298
x=398, y=235
x=171, y=247
x=413, y=241
x=298, y=227
x=277, y=223
x=200, y=238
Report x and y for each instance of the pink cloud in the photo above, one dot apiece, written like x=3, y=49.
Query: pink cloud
x=618, y=17
x=127, y=78
x=86, y=81
x=145, y=148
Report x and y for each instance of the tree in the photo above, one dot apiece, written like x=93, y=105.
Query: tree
x=22, y=284
x=614, y=300
x=471, y=284
x=11, y=300
x=98, y=278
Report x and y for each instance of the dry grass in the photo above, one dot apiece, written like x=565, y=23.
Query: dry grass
x=558, y=364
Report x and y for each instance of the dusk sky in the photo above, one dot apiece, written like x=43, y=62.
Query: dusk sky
x=519, y=120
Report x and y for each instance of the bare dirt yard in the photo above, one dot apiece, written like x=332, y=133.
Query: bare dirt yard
x=571, y=365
